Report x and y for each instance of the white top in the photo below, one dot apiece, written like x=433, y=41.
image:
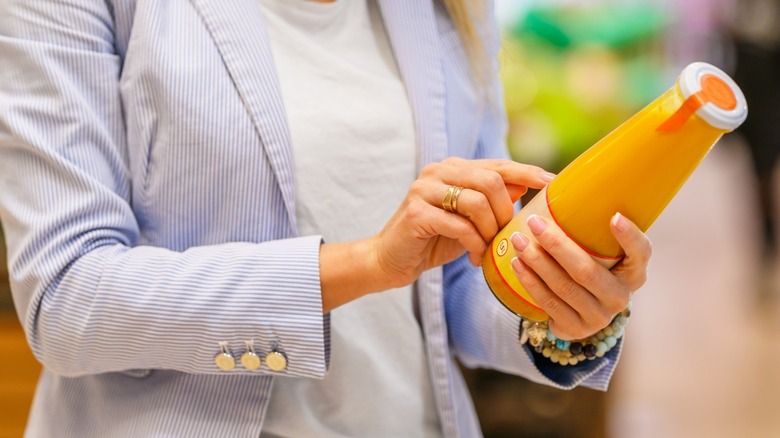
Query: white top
x=355, y=156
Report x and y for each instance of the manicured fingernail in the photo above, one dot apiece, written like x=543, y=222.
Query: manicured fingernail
x=519, y=241
x=548, y=177
x=518, y=266
x=536, y=224
x=619, y=222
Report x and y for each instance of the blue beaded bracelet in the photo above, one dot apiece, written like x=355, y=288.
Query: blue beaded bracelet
x=539, y=336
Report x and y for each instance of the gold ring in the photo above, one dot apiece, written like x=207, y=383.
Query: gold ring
x=450, y=202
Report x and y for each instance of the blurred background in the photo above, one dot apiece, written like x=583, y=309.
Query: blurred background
x=702, y=353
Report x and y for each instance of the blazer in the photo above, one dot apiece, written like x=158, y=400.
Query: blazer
x=147, y=197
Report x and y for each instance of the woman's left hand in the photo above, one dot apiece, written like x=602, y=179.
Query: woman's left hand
x=580, y=295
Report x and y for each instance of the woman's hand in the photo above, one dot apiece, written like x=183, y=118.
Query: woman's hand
x=580, y=295
x=422, y=235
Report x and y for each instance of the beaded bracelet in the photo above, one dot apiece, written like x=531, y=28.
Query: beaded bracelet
x=543, y=341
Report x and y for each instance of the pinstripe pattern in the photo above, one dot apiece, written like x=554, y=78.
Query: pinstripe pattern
x=146, y=192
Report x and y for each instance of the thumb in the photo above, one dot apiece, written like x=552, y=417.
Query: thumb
x=637, y=248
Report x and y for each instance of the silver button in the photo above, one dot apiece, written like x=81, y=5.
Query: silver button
x=276, y=361
x=224, y=359
x=250, y=360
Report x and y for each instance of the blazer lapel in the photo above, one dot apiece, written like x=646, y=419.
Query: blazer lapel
x=237, y=29
x=411, y=27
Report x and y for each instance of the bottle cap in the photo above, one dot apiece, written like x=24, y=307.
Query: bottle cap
x=716, y=97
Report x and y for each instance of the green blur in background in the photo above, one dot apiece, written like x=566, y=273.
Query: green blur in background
x=573, y=73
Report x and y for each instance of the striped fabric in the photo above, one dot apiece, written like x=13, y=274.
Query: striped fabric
x=147, y=196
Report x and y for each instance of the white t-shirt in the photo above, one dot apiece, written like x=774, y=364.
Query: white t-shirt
x=355, y=156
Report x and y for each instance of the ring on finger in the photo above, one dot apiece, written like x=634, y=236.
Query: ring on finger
x=450, y=202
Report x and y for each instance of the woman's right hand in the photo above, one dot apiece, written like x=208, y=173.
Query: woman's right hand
x=422, y=234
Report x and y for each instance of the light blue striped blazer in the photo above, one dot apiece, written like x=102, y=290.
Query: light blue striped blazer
x=147, y=196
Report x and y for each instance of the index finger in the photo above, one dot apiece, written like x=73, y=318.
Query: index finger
x=518, y=174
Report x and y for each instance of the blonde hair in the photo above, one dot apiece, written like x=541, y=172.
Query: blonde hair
x=468, y=16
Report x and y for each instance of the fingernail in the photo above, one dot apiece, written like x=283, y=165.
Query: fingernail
x=548, y=177
x=519, y=241
x=518, y=266
x=619, y=222
x=536, y=224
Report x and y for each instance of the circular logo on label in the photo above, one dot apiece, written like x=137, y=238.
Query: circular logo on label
x=502, y=247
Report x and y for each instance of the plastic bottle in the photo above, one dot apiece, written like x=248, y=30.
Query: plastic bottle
x=635, y=170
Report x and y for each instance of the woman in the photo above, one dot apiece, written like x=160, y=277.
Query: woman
x=196, y=193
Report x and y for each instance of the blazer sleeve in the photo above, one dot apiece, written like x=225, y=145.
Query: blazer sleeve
x=91, y=299
x=482, y=332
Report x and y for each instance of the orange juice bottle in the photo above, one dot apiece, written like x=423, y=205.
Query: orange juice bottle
x=635, y=170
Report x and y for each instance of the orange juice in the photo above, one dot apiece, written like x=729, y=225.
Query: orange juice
x=635, y=170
